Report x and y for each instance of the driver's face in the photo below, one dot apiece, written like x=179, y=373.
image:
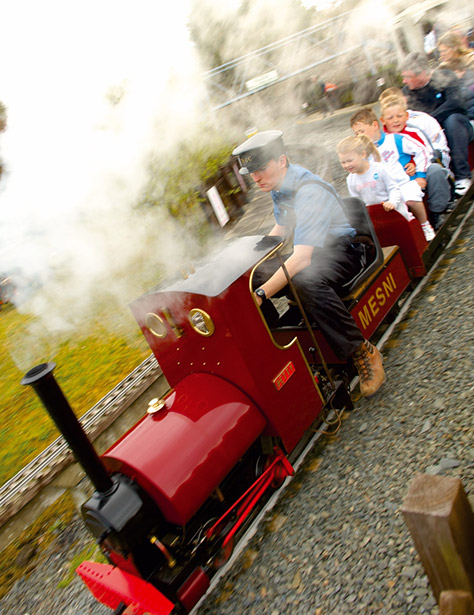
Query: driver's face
x=270, y=176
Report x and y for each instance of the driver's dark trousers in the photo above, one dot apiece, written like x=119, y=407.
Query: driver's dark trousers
x=320, y=287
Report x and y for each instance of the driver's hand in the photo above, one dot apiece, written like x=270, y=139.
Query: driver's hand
x=267, y=241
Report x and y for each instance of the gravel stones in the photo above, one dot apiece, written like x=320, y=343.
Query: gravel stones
x=344, y=547
x=41, y=593
x=336, y=543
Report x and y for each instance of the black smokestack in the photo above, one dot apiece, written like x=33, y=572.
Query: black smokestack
x=42, y=380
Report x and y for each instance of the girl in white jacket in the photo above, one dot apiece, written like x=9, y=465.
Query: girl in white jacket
x=369, y=179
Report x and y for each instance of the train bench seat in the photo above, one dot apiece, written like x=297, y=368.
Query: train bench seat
x=290, y=312
x=356, y=293
x=369, y=302
x=392, y=228
x=359, y=218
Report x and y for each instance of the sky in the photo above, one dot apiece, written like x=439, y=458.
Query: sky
x=75, y=160
x=62, y=64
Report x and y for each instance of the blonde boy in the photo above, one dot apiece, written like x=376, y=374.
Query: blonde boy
x=426, y=125
x=395, y=117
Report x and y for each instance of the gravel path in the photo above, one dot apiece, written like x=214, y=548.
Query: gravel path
x=336, y=542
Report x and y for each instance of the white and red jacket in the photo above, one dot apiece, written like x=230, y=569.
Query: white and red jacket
x=429, y=129
x=399, y=149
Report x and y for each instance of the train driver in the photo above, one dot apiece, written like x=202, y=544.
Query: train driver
x=324, y=257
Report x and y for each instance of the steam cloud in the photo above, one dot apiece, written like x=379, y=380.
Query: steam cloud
x=93, y=90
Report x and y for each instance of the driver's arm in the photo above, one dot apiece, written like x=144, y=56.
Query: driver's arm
x=279, y=231
x=299, y=259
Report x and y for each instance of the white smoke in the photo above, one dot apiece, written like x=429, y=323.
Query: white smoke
x=91, y=90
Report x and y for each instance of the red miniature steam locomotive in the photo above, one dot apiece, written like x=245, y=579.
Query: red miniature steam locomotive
x=175, y=492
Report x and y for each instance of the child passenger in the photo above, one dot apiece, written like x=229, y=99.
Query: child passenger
x=396, y=151
x=429, y=128
x=438, y=189
x=368, y=177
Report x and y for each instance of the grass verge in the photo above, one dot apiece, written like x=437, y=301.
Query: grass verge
x=91, y=360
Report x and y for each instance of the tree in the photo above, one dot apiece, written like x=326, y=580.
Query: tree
x=223, y=32
x=3, y=116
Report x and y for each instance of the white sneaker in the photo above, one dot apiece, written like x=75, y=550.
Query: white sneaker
x=428, y=231
x=461, y=186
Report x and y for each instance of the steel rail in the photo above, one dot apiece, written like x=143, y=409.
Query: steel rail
x=43, y=468
x=274, y=45
x=289, y=76
x=94, y=421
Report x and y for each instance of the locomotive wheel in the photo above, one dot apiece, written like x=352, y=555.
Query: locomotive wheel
x=263, y=462
x=224, y=554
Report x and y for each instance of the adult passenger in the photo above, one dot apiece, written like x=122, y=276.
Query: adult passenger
x=438, y=94
x=466, y=83
x=429, y=40
x=326, y=254
x=451, y=47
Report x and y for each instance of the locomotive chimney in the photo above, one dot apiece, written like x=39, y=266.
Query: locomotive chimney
x=42, y=380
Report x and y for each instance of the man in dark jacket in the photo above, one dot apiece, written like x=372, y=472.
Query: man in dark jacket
x=438, y=94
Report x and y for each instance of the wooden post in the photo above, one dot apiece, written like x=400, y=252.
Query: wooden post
x=455, y=602
x=441, y=522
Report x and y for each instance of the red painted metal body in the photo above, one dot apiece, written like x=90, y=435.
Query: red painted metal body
x=393, y=229
x=194, y=588
x=471, y=154
x=112, y=586
x=180, y=454
x=380, y=296
x=241, y=349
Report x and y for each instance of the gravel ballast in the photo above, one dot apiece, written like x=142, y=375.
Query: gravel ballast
x=336, y=541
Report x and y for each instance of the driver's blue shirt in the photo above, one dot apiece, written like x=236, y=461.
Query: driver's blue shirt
x=313, y=211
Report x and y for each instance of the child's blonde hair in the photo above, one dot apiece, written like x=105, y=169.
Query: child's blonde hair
x=390, y=92
x=360, y=144
x=392, y=101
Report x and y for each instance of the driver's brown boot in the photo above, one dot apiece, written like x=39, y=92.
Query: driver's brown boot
x=368, y=362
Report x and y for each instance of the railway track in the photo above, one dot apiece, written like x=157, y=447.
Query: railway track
x=41, y=471
x=23, y=487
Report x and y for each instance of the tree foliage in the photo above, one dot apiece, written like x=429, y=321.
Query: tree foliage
x=176, y=180
x=222, y=32
x=3, y=116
